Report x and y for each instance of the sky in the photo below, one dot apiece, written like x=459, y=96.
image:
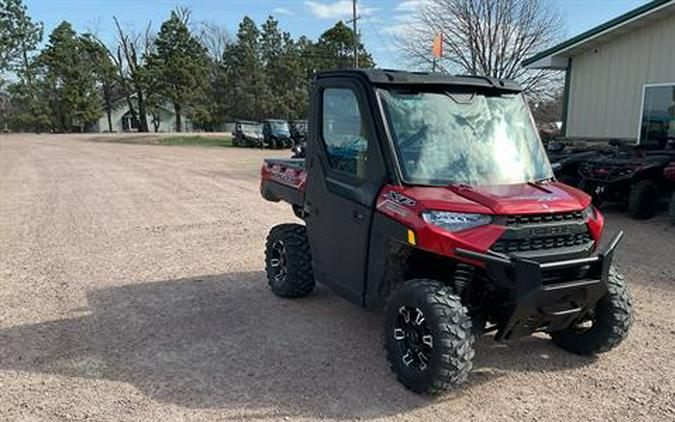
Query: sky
x=381, y=18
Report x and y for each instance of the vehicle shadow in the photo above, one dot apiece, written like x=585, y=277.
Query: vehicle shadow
x=224, y=341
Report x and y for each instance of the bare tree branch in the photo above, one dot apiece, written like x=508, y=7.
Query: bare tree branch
x=488, y=38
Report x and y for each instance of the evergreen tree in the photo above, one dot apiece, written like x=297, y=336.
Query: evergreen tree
x=19, y=36
x=335, y=50
x=245, y=72
x=179, y=66
x=69, y=84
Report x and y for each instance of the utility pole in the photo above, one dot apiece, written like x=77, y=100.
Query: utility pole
x=356, y=34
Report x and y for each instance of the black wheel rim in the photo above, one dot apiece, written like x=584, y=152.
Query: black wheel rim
x=278, y=261
x=413, y=338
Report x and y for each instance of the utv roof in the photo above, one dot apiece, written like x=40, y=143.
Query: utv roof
x=248, y=122
x=399, y=77
x=275, y=120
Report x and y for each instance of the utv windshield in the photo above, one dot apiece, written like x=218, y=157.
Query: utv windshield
x=468, y=138
x=279, y=127
x=251, y=128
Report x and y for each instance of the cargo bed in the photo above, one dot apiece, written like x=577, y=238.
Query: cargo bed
x=283, y=179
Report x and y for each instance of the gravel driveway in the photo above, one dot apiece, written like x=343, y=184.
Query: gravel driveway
x=131, y=288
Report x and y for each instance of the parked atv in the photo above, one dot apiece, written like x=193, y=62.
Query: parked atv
x=633, y=175
x=431, y=197
x=299, y=150
x=277, y=134
x=566, y=160
x=247, y=134
x=298, y=131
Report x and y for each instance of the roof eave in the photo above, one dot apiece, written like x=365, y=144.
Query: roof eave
x=549, y=62
x=559, y=50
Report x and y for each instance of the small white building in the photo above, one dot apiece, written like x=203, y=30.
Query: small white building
x=164, y=120
x=620, y=76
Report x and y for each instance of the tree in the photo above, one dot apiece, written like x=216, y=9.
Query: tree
x=19, y=36
x=179, y=66
x=215, y=39
x=105, y=72
x=245, y=72
x=132, y=71
x=335, y=50
x=486, y=37
x=208, y=110
x=69, y=83
x=280, y=59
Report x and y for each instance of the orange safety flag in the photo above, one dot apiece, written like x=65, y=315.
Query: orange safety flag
x=437, y=46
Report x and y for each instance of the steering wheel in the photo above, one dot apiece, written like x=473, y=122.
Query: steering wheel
x=413, y=139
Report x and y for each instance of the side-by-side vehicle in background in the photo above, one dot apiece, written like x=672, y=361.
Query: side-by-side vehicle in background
x=431, y=198
x=277, y=134
x=247, y=134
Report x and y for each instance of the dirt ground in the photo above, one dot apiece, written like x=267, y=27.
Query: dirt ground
x=132, y=288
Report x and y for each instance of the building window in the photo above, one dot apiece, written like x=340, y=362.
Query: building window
x=657, y=125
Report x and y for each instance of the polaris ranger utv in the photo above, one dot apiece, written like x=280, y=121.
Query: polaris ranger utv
x=247, y=134
x=431, y=197
x=277, y=133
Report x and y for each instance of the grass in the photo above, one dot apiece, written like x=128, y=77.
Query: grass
x=196, y=140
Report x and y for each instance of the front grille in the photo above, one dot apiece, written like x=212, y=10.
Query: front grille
x=526, y=219
x=541, y=243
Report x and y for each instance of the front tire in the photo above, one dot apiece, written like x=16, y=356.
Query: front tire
x=288, y=262
x=610, y=322
x=428, y=337
x=643, y=199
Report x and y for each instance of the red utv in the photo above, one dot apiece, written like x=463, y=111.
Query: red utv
x=431, y=197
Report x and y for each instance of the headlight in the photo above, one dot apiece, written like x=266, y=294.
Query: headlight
x=454, y=221
x=588, y=213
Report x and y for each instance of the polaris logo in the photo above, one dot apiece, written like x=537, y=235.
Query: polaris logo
x=402, y=199
x=549, y=231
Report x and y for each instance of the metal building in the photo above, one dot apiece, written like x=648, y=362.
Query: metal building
x=620, y=76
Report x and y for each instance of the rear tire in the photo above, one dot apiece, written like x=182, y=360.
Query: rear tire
x=643, y=199
x=288, y=262
x=428, y=337
x=671, y=209
x=610, y=324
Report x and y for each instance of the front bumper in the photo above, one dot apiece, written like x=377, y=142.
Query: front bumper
x=538, y=304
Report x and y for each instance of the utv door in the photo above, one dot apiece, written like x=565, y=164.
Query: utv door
x=345, y=174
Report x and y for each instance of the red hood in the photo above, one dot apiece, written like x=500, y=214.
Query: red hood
x=526, y=198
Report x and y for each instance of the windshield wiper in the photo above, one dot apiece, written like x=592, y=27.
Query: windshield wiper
x=539, y=184
x=460, y=185
x=542, y=181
